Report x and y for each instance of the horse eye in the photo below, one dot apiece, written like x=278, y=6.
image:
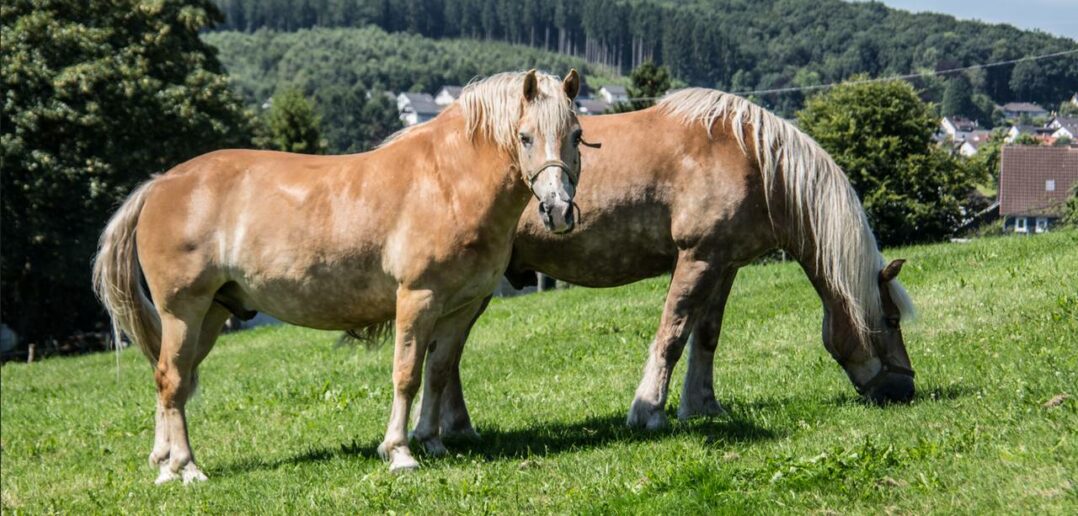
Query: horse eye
x=892, y=322
x=525, y=139
x=577, y=137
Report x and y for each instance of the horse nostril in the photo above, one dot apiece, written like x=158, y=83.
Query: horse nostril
x=544, y=208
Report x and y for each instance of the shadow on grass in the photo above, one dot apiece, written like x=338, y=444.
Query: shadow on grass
x=540, y=439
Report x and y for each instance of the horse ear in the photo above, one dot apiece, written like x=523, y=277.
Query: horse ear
x=531, y=86
x=891, y=271
x=571, y=84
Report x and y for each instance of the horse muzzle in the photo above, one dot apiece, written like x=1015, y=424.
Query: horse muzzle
x=890, y=386
x=557, y=215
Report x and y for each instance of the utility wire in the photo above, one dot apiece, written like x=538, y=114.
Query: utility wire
x=889, y=78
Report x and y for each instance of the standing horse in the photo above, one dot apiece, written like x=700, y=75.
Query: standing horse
x=419, y=230
x=702, y=184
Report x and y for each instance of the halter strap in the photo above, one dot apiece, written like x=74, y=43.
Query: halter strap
x=552, y=163
x=886, y=367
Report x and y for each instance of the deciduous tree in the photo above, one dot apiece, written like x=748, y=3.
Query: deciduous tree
x=881, y=135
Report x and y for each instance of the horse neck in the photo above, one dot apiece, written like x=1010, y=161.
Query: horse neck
x=485, y=175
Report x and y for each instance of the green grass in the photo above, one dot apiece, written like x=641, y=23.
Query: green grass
x=286, y=422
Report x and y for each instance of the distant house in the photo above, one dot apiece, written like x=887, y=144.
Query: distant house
x=953, y=125
x=1043, y=134
x=1017, y=109
x=973, y=141
x=416, y=108
x=1063, y=126
x=1034, y=184
x=447, y=95
x=591, y=106
x=613, y=94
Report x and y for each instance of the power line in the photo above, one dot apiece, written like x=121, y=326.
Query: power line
x=889, y=78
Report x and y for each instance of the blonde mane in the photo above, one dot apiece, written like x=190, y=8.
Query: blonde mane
x=492, y=108
x=818, y=197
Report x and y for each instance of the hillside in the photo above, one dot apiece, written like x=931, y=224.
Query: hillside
x=346, y=71
x=286, y=422
x=318, y=58
x=738, y=45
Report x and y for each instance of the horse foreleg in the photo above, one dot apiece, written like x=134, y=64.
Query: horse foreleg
x=690, y=287
x=455, y=420
x=443, y=361
x=698, y=392
x=180, y=333
x=416, y=317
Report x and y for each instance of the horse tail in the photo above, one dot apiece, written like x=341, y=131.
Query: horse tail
x=117, y=279
x=371, y=337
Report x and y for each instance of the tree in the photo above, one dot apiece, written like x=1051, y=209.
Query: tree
x=881, y=135
x=98, y=96
x=1027, y=80
x=649, y=82
x=958, y=98
x=292, y=125
x=379, y=119
x=984, y=165
x=1026, y=139
x=1070, y=210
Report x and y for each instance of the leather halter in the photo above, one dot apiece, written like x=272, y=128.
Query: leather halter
x=573, y=176
x=885, y=369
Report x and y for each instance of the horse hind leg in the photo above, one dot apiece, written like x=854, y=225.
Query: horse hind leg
x=181, y=330
x=211, y=328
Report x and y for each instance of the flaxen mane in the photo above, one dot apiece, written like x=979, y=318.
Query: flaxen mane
x=492, y=107
x=816, y=192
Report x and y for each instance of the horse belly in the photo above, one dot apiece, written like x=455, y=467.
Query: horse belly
x=341, y=299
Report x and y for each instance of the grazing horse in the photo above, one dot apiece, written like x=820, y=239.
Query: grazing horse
x=701, y=185
x=419, y=230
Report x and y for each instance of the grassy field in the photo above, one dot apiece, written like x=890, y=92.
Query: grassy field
x=286, y=422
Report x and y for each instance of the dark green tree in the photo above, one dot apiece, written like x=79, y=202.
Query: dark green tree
x=1070, y=209
x=292, y=125
x=649, y=82
x=1027, y=80
x=984, y=165
x=98, y=96
x=958, y=98
x=881, y=135
x=379, y=119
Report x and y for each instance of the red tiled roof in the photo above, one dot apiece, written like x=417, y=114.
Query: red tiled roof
x=1025, y=172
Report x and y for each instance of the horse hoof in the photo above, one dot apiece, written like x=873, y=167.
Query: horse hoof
x=707, y=408
x=166, y=475
x=434, y=447
x=402, y=463
x=399, y=458
x=646, y=416
x=191, y=473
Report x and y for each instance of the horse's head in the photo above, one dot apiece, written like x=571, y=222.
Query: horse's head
x=881, y=371
x=548, y=153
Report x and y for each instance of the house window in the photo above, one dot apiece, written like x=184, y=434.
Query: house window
x=1049, y=185
x=1020, y=225
x=1042, y=225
